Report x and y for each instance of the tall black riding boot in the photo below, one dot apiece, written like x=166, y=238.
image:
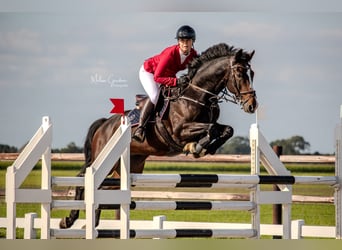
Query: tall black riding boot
x=145, y=114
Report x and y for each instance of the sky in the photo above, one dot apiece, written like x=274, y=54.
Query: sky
x=67, y=64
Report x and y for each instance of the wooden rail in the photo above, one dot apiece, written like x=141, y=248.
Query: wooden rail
x=323, y=159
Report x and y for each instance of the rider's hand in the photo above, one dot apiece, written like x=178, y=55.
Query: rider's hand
x=183, y=81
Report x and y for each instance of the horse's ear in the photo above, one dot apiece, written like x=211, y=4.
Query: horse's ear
x=251, y=55
x=238, y=55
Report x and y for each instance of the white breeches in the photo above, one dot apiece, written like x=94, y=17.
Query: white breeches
x=149, y=85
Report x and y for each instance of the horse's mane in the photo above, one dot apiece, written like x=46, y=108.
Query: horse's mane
x=216, y=51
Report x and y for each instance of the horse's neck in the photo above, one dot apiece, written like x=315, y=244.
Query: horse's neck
x=217, y=81
x=208, y=89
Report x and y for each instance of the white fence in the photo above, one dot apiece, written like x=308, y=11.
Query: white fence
x=118, y=148
x=31, y=223
x=40, y=147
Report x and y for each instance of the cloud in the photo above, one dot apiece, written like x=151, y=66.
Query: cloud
x=20, y=41
x=30, y=58
x=15, y=48
x=256, y=30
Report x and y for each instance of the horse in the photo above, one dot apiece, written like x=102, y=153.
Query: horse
x=187, y=120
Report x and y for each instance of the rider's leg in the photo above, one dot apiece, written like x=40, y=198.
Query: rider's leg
x=152, y=90
x=146, y=112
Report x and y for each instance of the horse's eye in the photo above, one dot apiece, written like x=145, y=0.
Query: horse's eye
x=239, y=75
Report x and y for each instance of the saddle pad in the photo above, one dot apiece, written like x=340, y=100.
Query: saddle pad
x=134, y=114
x=133, y=117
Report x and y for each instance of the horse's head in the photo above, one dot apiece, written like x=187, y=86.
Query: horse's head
x=240, y=80
x=221, y=68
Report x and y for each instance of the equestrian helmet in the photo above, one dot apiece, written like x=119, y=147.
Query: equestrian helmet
x=186, y=32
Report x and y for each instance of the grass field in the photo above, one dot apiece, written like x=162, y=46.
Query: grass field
x=313, y=214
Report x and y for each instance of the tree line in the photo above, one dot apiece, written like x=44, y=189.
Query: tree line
x=294, y=145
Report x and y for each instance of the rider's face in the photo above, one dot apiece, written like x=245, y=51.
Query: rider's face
x=185, y=45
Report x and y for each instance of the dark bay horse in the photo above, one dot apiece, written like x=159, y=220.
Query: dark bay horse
x=189, y=123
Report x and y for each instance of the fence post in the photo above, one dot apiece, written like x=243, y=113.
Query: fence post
x=29, y=231
x=11, y=203
x=125, y=184
x=255, y=170
x=262, y=152
x=277, y=208
x=296, y=232
x=158, y=222
x=89, y=199
x=338, y=173
x=46, y=183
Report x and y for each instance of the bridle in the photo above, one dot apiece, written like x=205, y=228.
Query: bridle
x=237, y=98
x=224, y=95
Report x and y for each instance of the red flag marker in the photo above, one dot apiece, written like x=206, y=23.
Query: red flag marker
x=118, y=106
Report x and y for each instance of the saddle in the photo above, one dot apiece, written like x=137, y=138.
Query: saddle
x=166, y=95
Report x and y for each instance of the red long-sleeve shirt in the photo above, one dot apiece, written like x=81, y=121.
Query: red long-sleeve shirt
x=165, y=65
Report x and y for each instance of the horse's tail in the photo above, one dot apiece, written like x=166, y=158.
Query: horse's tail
x=87, y=144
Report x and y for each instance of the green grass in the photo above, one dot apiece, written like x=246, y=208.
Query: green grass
x=313, y=214
x=220, y=167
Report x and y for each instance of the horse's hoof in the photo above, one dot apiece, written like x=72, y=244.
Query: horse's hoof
x=190, y=148
x=200, y=154
x=63, y=223
x=203, y=153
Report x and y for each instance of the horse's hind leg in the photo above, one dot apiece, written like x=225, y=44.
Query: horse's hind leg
x=97, y=217
x=67, y=222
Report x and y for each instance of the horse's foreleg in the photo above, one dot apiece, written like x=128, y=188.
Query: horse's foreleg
x=192, y=130
x=199, y=133
x=208, y=137
x=225, y=132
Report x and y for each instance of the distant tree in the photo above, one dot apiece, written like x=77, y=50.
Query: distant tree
x=70, y=148
x=7, y=149
x=294, y=145
x=236, y=145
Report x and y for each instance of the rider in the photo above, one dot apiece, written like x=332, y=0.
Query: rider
x=162, y=69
